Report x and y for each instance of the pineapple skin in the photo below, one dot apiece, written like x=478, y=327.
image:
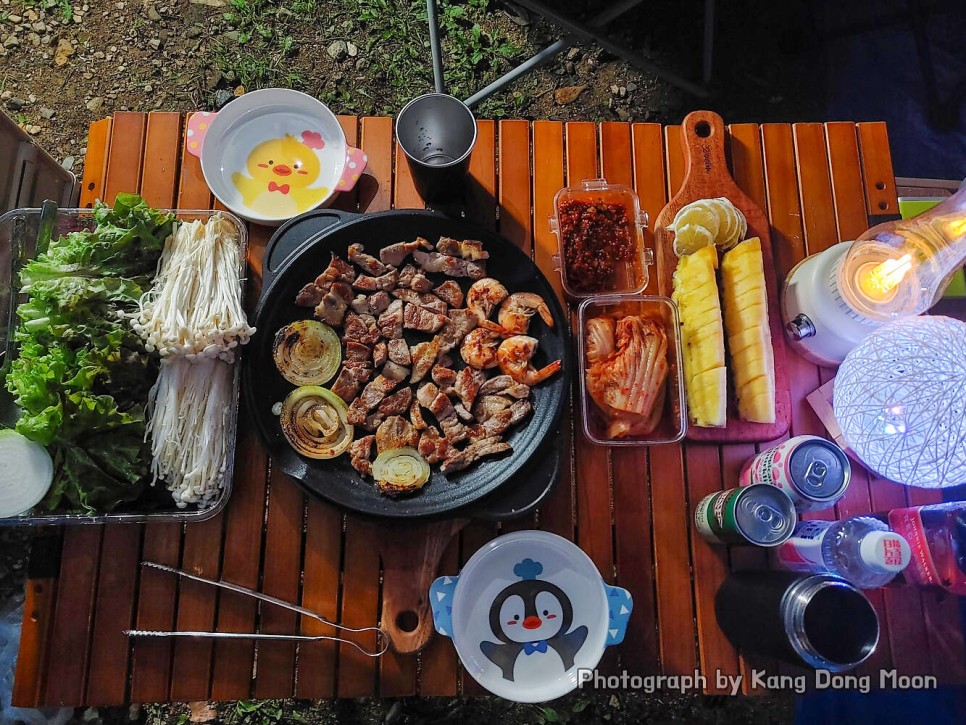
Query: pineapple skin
x=702, y=335
x=749, y=338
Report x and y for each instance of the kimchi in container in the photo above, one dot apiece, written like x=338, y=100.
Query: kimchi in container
x=626, y=375
x=600, y=237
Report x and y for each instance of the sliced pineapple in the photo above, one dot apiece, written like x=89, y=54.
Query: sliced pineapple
x=705, y=377
x=749, y=337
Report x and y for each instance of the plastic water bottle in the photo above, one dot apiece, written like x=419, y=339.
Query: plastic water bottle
x=861, y=550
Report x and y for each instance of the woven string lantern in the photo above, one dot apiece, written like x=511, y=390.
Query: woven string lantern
x=900, y=400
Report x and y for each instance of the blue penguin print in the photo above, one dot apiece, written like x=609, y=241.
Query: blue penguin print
x=531, y=617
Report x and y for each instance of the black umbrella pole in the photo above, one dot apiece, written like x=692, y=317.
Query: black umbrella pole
x=434, y=46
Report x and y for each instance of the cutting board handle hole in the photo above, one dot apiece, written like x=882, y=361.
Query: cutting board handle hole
x=702, y=129
x=407, y=621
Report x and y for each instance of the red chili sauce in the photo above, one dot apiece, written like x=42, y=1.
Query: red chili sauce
x=596, y=238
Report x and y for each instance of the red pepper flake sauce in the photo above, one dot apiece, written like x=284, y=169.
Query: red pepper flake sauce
x=596, y=238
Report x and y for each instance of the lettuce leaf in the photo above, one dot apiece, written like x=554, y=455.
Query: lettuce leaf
x=82, y=375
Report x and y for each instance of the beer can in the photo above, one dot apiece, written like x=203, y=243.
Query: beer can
x=756, y=514
x=813, y=472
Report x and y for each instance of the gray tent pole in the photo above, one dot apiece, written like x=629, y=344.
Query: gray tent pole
x=549, y=52
x=434, y=46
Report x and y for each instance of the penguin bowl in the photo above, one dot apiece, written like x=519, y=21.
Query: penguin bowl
x=527, y=613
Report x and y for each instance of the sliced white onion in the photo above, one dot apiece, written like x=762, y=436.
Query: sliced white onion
x=26, y=472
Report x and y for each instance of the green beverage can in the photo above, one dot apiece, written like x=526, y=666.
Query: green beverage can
x=758, y=514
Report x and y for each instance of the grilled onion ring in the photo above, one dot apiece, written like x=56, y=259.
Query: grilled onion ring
x=307, y=352
x=314, y=422
x=400, y=470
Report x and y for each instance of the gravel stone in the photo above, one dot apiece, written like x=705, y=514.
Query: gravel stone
x=338, y=50
x=221, y=97
x=153, y=13
x=352, y=49
x=94, y=105
x=47, y=113
x=15, y=104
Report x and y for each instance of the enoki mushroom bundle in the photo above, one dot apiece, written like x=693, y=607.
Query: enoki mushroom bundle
x=194, y=308
x=188, y=427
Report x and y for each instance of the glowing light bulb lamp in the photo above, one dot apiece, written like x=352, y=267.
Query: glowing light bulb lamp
x=900, y=401
x=832, y=300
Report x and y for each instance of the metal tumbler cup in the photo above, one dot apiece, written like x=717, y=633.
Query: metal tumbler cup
x=820, y=621
x=437, y=133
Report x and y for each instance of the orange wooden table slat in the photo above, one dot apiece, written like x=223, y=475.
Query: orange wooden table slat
x=95, y=163
x=880, y=181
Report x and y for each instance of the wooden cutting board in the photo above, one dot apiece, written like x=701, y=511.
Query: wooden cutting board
x=703, y=140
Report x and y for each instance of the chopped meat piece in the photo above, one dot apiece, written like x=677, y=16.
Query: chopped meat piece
x=430, y=302
x=369, y=264
x=379, y=302
x=421, y=283
x=371, y=396
x=453, y=429
x=399, y=352
x=458, y=460
x=452, y=266
x=310, y=295
x=413, y=279
x=346, y=386
x=445, y=360
x=442, y=408
x=419, y=318
x=361, y=328
x=467, y=385
x=360, y=305
x=338, y=271
x=395, y=372
x=406, y=275
x=359, y=370
x=432, y=446
x=397, y=403
x=443, y=377
x=520, y=410
x=506, y=385
x=359, y=451
x=423, y=355
x=462, y=413
x=450, y=293
x=467, y=249
x=427, y=394
x=379, y=354
x=396, y=432
x=391, y=321
x=487, y=406
x=371, y=284
x=357, y=351
x=461, y=323
x=416, y=416
x=394, y=254
x=331, y=310
x=499, y=422
x=373, y=420
x=492, y=426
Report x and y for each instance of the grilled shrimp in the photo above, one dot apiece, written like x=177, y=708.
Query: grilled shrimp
x=514, y=356
x=518, y=308
x=483, y=296
x=480, y=347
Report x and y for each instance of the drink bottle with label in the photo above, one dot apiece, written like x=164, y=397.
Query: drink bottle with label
x=937, y=536
x=861, y=550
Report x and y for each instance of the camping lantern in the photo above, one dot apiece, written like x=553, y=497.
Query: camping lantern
x=832, y=300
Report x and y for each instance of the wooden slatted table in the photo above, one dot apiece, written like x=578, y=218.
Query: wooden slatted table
x=629, y=509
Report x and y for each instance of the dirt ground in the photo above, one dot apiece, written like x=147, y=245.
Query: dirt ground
x=64, y=64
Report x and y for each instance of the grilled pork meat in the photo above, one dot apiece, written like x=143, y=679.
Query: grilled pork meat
x=369, y=264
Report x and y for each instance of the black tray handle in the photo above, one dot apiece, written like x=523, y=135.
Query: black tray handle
x=288, y=240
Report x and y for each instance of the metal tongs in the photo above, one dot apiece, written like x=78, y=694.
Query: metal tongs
x=382, y=638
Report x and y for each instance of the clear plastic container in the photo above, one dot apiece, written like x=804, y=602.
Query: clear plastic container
x=628, y=276
x=673, y=423
x=19, y=229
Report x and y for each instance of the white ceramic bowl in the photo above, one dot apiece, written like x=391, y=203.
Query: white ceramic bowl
x=273, y=154
x=527, y=612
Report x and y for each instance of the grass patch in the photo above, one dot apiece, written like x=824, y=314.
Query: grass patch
x=286, y=46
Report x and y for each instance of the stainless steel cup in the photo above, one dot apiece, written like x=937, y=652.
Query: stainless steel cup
x=819, y=621
x=437, y=133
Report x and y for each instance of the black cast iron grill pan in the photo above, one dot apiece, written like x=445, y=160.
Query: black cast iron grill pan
x=296, y=254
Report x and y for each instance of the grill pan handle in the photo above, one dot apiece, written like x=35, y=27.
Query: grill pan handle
x=295, y=235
